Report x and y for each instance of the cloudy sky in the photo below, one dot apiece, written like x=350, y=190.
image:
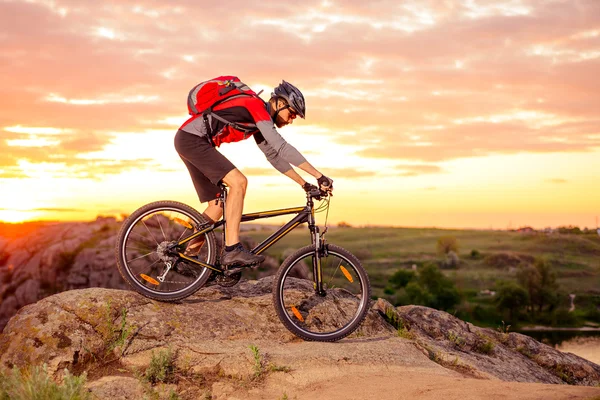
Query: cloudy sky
x=448, y=113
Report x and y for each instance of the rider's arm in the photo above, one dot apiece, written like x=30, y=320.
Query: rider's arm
x=293, y=175
x=282, y=148
x=277, y=162
x=281, y=165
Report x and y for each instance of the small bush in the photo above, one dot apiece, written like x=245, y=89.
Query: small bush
x=261, y=365
x=476, y=255
x=34, y=383
x=258, y=361
x=401, y=278
x=484, y=344
x=161, y=368
x=446, y=244
x=389, y=290
x=458, y=341
x=562, y=317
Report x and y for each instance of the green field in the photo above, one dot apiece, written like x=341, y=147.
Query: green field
x=574, y=258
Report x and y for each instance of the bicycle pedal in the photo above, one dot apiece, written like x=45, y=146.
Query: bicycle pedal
x=238, y=268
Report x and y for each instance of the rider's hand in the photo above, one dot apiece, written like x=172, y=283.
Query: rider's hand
x=308, y=187
x=325, y=183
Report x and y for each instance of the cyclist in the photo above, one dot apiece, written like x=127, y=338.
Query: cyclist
x=208, y=167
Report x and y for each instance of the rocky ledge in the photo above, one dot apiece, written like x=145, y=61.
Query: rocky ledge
x=111, y=334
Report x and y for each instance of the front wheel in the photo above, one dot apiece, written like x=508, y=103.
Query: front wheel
x=337, y=311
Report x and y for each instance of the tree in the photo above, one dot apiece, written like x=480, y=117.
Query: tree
x=401, y=278
x=548, y=294
x=511, y=296
x=432, y=289
x=446, y=244
x=539, y=280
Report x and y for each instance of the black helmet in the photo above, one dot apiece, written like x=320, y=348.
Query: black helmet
x=293, y=96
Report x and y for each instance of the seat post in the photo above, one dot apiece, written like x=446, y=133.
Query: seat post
x=223, y=200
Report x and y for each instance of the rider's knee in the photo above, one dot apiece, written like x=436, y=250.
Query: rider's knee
x=239, y=181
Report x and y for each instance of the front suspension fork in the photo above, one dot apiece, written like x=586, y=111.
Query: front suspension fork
x=320, y=251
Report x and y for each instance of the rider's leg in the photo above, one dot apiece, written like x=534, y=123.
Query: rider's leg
x=214, y=210
x=212, y=214
x=235, y=256
x=237, y=183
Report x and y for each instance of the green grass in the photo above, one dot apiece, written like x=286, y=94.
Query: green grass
x=34, y=383
x=258, y=361
x=161, y=368
x=261, y=366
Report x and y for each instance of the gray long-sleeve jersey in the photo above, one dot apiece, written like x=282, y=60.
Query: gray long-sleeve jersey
x=250, y=110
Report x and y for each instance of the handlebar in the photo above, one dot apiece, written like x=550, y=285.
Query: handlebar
x=318, y=194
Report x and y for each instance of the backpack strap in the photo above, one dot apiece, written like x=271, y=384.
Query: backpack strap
x=235, y=125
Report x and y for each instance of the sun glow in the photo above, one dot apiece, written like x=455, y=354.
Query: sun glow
x=17, y=216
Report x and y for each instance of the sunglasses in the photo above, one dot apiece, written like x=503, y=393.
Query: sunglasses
x=293, y=113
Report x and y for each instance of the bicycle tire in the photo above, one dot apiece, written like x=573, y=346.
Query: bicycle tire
x=298, y=325
x=124, y=265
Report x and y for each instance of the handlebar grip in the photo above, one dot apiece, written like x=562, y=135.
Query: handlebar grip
x=318, y=193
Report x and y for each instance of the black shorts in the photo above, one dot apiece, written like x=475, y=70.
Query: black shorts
x=206, y=165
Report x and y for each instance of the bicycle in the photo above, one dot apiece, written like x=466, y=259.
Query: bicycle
x=321, y=292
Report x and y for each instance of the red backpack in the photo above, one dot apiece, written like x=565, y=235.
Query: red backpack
x=206, y=95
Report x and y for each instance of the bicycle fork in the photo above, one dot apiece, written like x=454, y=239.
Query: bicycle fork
x=320, y=251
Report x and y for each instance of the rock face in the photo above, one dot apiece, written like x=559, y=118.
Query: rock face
x=486, y=352
x=65, y=256
x=55, y=258
x=210, y=333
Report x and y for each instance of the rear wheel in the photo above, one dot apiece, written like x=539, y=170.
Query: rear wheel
x=142, y=257
x=329, y=316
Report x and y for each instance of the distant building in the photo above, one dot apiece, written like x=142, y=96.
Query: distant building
x=526, y=229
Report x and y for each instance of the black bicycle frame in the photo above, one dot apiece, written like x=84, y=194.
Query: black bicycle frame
x=304, y=214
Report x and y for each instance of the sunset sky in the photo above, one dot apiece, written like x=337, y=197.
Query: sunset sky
x=449, y=113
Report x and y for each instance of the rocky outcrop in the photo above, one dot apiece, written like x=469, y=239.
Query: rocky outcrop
x=483, y=352
x=57, y=257
x=113, y=333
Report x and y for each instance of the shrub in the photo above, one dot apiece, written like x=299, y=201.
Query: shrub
x=487, y=314
x=512, y=297
x=401, y=278
x=562, y=317
x=389, y=290
x=432, y=289
x=34, y=383
x=484, y=344
x=161, y=368
x=476, y=255
x=445, y=244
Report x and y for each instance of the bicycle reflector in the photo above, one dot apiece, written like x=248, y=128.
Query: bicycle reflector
x=183, y=223
x=347, y=274
x=149, y=279
x=297, y=314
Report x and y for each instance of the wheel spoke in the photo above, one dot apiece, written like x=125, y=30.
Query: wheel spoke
x=145, y=255
x=161, y=228
x=148, y=229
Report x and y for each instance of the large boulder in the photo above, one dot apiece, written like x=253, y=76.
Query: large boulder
x=488, y=352
x=75, y=329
